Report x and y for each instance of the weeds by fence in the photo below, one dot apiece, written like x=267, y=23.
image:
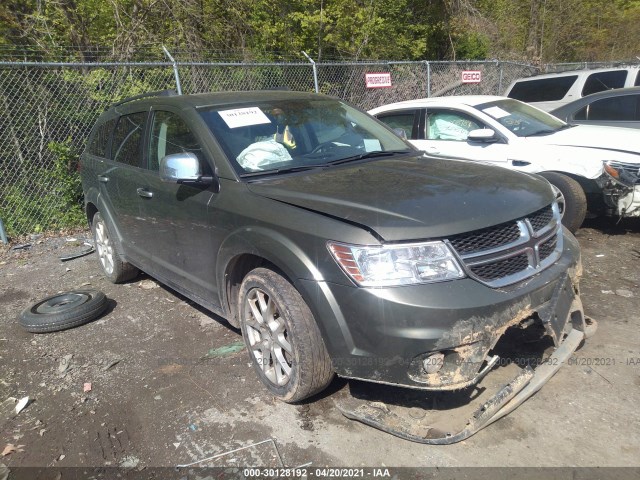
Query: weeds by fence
x=47, y=111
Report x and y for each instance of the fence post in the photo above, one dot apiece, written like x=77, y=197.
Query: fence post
x=500, y=80
x=175, y=70
x=428, y=78
x=3, y=234
x=315, y=71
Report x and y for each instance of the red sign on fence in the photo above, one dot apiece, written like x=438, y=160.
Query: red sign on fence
x=378, y=80
x=471, y=76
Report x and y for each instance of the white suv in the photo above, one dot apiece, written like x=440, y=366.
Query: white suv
x=595, y=169
x=556, y=89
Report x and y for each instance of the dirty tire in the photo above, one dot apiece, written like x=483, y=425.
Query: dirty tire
x=575, y=200
x=286, y=322
x=64, y=310
x=115, y=269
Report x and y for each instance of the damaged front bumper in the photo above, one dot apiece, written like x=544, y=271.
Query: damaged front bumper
x=564, y=322
x=621, y=188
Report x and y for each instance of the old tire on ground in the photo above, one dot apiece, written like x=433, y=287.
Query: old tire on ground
x=114, y=268
x=575, y=200
x=64, y=310
x=283, y=339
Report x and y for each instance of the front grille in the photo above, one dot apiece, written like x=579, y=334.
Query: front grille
x=486, y=239
x=541, y=218
x=547, y=247
x=501, y=268
x=512, y=251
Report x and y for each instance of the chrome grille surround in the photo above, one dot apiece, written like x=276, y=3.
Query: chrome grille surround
x=537, y=247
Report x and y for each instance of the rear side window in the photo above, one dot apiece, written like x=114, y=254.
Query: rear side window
x=601, y=81
x=637, y=84
x=543, y=90
x=623, y=108
x=125, y=147
x=100, y=140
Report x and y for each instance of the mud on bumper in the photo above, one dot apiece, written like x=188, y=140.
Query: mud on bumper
x=564, y=322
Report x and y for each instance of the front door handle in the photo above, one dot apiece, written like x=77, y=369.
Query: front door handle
x=103, y=179
x=144, y=193
x=432, y=150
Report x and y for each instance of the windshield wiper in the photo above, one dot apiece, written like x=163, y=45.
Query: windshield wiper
x=299, y=168
x=548, y=131
x=363, y=156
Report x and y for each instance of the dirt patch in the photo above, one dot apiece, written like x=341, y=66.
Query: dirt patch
x=170, y=384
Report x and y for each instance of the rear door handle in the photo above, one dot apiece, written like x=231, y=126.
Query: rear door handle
x=144, y=193
x=432, y=150
x=103, y=179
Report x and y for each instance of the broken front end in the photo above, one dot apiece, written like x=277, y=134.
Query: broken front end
x=621, y=188
x=449, y=337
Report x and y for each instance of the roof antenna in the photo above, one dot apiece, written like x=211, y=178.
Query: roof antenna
x=175, y=70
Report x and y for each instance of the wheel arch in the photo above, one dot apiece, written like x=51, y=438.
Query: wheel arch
x=251, y=248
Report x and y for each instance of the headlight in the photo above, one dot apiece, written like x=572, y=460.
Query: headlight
x=391, y=265
x=627, y=174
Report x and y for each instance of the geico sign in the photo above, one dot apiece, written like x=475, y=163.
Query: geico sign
x=471, y=76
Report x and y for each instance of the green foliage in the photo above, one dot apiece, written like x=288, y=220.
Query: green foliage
x=54, y=206
x=549, y=30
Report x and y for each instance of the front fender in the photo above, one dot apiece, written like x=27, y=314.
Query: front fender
x=271, y=245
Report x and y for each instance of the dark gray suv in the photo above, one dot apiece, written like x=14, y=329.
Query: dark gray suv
x=333, y=244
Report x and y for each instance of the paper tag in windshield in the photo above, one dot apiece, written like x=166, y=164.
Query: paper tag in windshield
x=243, y=117
x=496, y=112
x=372, y=145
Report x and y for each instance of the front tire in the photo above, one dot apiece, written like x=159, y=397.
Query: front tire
x=572, y=196
x=283, y=339
x=115, y=268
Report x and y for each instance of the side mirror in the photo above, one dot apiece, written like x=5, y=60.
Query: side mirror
x=182, y=168
x=483, y=135
x=401, y=132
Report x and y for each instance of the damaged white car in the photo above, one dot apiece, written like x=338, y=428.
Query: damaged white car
x=594, y=169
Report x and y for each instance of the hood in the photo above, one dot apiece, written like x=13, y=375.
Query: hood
x=613, y=140
x=412, y=198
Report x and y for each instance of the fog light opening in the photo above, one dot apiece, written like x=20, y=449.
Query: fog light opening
x=433, y=363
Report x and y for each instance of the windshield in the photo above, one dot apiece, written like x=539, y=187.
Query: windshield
x=521, y=119
x=285, y=135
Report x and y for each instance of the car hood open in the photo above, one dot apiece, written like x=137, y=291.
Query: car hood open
x=412, y=198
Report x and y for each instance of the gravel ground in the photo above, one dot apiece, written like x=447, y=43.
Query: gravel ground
x=171, y=384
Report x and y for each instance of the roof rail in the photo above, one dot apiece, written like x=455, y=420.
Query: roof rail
x=161, y=93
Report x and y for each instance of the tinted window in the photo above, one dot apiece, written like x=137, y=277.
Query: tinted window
x=169, y=135
x=542, y=90
x=127, y=139
x=450, y=125
x=615, y=108
x=637, y=84
x=403, y=120
x=598, y=82
x=99, y=141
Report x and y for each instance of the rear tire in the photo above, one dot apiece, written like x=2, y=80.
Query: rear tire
x=115, y=268
x=283, y=339
x=575, y=200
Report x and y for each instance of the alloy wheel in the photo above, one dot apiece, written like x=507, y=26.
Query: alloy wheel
x=268, y=337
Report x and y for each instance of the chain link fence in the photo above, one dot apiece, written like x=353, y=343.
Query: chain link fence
x=47, y=111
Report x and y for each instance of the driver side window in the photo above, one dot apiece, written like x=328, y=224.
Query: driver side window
x=169, y=135
x=450, y=125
